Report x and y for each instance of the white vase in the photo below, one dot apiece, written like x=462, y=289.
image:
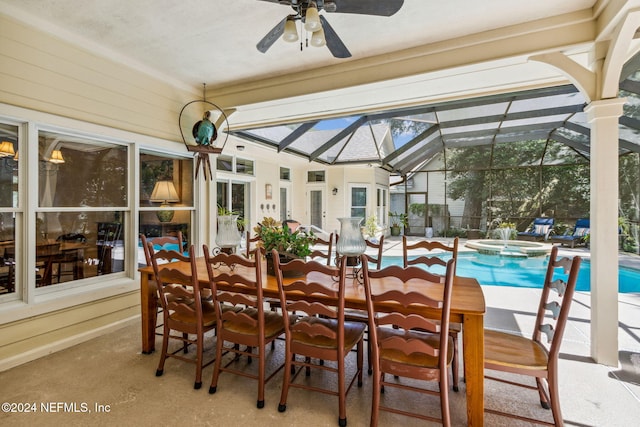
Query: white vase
x=228, y=234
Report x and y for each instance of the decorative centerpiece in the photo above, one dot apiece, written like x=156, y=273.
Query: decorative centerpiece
x=351, y=241
x=290, y=245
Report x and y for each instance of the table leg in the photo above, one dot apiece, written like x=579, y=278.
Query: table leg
x=149, y=312
x=473, y=338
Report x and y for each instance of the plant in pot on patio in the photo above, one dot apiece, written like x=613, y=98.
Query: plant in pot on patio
x=398, y=220
x=290, y=245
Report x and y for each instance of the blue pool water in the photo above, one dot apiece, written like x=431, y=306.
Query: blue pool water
x=521, y=272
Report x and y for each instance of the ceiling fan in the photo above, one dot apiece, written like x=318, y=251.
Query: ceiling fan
x=307, y=12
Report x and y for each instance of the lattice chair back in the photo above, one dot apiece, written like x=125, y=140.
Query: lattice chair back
x=555, y=301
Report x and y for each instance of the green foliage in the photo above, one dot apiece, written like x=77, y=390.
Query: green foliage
x=371, y=227
x=274, y=235
x=398, y=219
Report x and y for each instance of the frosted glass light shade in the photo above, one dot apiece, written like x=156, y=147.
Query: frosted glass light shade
x=317, y=38
x=312, y=19
x=290, y=32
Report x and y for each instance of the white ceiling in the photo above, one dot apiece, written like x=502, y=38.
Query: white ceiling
x=191, y=42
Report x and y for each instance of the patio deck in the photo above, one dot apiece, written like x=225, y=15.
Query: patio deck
x=110, y=370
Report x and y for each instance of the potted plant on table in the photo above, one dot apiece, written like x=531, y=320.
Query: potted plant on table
x=290, y=245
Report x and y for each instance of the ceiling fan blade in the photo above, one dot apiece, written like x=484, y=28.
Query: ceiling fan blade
x=369, y=7
x=271, y=37
x=335, y=45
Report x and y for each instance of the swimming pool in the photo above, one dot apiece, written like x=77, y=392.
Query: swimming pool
x=521, y=272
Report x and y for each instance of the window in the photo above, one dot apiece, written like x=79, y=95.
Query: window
x=83, y=199
x=359, y=201
x=315, y=176
x=224, y=163
x=244, y=166
x=8, y=206
x=381, y=206
x=285, y=174
x=159, y=217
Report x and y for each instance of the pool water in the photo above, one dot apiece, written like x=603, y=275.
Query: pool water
x=521, y=272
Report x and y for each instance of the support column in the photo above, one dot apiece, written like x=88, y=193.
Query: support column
x=603, y=116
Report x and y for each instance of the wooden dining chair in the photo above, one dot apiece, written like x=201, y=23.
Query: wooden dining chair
x=244, y=321
x=70, y=261
x=405, y=342
x=425, y=253
x=249, y=240
x=322, y=249
x=537, y=356
x=319, y=330
x=374, y=252
x=167, y=243
x=374, y=257
x=183, y=308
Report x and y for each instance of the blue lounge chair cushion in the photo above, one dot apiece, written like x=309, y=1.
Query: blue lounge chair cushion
x=541, y=228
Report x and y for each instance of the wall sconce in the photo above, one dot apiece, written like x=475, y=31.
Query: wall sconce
x=334, y=191
x=164, y=192
x=240, y=147
x=56, y=157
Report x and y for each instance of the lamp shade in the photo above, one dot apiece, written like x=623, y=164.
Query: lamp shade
x=312, y=18
x=290, y=32
x=56, y=157
x=317, y=38
x=164, y=192
x=6, y=149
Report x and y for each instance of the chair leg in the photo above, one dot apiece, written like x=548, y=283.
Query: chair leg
x=199, y=357
x=261, y=374
x=544, y=399
x=444, y=399
x=360, y=357
x=455, y=362
x=342, y=406
x=165, y=346
x=216, y=368
x=554, y=396
x=288, y=367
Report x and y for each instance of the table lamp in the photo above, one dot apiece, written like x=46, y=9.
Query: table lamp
x=164, y=192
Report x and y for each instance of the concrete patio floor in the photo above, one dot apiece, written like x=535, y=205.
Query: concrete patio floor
x=110, y=371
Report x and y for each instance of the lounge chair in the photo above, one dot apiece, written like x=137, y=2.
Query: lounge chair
x=575, y=237
x=539, y=230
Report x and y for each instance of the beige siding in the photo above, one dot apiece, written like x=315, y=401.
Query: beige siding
x=43, y=73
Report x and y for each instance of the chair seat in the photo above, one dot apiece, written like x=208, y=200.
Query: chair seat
x=208, y=315
x=356, y=315
x=353, y=332
x=413, y=359
x=273, y=323
x=514, y=351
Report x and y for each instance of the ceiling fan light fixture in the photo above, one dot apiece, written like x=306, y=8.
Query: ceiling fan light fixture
x=312, y=18
x=317, y=38
x=290, y=32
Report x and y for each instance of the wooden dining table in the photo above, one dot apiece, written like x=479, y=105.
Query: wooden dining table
x=467, y=307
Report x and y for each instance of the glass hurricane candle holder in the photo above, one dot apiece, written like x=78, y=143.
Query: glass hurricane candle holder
x=351, y=242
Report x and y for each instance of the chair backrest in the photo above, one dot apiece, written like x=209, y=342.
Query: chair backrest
x=245, y=276
x=249, y=240
x=582, y=227
x=320, y=282
x=322, y=249
x=176, y=290
x=170, y=243
x=403, y=307
x=426, y=252
x=563, y=285
x=375, y=257
x=542, y=226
